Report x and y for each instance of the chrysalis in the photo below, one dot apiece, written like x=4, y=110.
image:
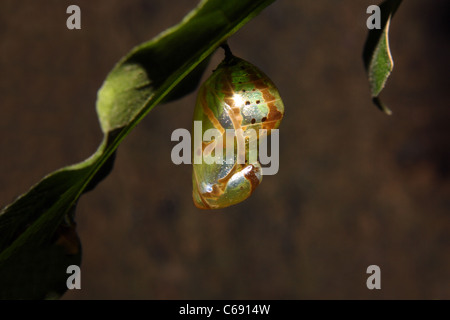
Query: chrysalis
x=240, y=97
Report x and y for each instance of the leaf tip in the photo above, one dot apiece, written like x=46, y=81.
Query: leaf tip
x=382, y=106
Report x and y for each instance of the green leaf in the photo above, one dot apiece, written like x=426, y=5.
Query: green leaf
x=188, y=84
x=40, y=272
x=377, y=54
x=30, y=227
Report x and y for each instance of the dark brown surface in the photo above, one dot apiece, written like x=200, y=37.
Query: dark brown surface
x=355, y=187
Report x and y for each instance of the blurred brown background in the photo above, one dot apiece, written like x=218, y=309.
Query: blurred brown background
x=355, y=187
